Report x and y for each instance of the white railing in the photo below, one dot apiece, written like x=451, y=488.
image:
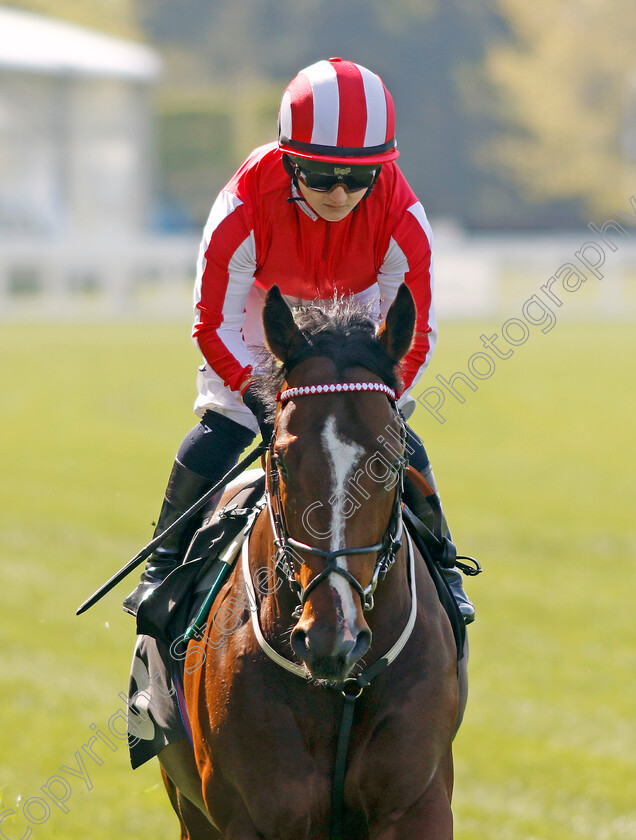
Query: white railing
x=476, y=277
x=577, y=276
x=110, y=279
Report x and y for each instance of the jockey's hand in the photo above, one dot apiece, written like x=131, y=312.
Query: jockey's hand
x=260, y=410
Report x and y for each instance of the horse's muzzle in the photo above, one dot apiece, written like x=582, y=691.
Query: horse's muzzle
x=327, y=651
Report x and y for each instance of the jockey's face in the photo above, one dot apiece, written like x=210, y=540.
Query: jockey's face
x=335, y=205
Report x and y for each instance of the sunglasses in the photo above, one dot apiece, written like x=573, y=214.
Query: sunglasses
x=355, y=178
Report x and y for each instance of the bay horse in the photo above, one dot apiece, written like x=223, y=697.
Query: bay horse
x=310, y=634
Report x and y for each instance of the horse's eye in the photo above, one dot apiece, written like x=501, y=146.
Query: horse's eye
x=282, y=467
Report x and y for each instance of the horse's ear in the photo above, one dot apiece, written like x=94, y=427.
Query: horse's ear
x=396, y=333
x=281, y=332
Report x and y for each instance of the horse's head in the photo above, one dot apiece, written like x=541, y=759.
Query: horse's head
x=336, y=460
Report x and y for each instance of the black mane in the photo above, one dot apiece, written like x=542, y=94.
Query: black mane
x=340, y=330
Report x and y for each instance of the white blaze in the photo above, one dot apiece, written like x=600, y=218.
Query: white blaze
x=342, y=456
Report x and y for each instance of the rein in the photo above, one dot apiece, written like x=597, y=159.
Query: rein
x=352, y=685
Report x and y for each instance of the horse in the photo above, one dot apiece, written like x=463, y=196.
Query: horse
x=330, y=610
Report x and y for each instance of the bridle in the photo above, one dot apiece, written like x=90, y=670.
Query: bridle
x=287, y=546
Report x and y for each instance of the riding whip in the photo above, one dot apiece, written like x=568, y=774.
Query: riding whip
x=147, y=551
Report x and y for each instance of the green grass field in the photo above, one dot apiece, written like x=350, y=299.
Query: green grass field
x=534, y=471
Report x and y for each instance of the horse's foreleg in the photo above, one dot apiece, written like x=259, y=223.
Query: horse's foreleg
x=183, y=784
x=194, y=826
x=430, y=818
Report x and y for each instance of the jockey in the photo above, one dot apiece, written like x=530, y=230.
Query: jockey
x=324, y=211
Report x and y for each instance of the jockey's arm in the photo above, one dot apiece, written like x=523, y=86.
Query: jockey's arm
x=409, y=259
x=225, y=275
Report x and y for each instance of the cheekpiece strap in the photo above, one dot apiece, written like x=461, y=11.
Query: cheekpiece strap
x=335, y=388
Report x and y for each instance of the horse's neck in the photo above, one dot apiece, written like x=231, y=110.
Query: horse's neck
x=392, y=600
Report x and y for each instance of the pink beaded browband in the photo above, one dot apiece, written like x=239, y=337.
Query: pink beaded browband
x=339, y=387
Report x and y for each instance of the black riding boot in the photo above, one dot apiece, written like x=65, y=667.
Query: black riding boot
x=185, y=487
x=452, y=574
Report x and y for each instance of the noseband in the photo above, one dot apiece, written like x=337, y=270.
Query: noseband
x=287, y=546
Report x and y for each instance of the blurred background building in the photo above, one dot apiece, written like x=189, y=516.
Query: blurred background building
x=75, y=115
x=121, y=119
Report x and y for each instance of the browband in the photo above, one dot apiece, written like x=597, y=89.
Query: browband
x=335, y=388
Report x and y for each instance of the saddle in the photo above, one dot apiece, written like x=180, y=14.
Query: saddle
x=167, y=611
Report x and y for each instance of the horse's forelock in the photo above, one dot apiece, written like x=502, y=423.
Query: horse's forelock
x=340, y=330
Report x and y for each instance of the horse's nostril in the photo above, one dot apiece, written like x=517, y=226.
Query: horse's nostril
x=299, y=643
x=311, y=646
x=362, y=645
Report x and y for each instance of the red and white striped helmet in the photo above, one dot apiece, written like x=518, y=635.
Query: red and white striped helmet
x=337, y=111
